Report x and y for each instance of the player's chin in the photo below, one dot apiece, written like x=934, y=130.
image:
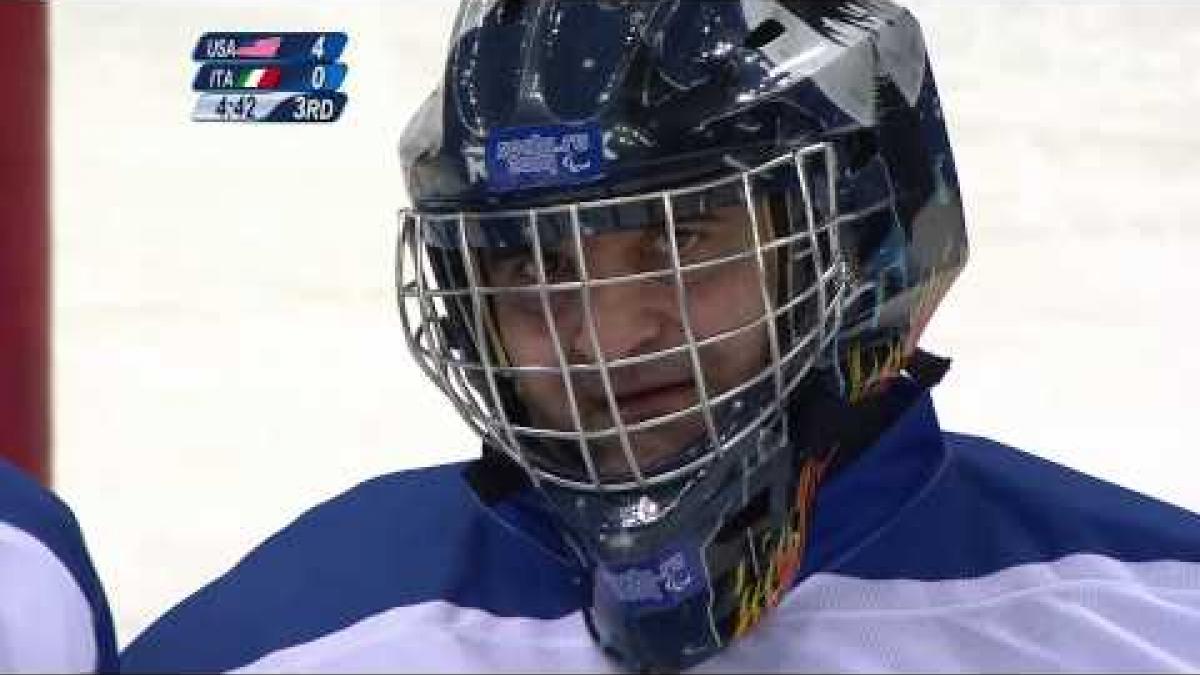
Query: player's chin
x=655, y=448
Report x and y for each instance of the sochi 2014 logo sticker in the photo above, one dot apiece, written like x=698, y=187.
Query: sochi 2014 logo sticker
x=666, y=581
x=543, y=156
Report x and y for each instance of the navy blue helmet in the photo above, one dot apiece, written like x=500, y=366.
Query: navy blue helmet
x=650, y=244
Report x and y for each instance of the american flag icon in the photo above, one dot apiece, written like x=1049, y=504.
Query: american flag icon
x=262, y=48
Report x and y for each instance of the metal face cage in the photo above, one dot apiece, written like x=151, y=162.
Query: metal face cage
x=618, y=344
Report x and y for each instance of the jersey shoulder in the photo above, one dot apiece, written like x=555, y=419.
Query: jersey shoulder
x=397, y=540
x=55, y=614
x=1003, y=561
x=993, y=506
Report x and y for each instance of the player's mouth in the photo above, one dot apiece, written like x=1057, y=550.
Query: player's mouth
x=655, y=400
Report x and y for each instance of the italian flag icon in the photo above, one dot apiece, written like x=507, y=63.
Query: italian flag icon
x=258, y=78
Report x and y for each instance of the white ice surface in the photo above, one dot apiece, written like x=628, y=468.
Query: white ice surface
x=227, y=352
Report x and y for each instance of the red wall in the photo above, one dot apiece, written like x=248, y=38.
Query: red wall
x=24, y=239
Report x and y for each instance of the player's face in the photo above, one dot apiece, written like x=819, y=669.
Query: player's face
x=637, y=318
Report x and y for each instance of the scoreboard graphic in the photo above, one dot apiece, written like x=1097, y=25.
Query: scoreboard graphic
x=269, y=77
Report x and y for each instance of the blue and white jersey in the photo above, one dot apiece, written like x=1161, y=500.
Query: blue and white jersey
x=929, y=552
x=53, y=613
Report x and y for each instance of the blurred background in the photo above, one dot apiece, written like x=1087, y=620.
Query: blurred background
x=226, y=349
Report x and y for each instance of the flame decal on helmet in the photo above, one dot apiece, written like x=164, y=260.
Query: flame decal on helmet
x=760, y=590
x=870, y=367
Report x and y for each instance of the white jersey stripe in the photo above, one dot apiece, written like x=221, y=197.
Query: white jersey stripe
x=440, y=637
x=1081, y=612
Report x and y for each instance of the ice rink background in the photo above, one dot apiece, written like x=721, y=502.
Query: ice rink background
x=227, y=351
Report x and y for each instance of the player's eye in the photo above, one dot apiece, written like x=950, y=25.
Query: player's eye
x=689, y=242
x=521, y=269
x=527, y=271
x=688, y=239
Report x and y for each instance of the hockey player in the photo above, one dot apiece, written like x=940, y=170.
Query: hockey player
x=672, y=260
x=53, y=613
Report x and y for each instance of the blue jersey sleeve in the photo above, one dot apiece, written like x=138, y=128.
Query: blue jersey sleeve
x=43, y=533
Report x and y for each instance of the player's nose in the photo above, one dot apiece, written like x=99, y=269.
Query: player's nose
x=628, y=316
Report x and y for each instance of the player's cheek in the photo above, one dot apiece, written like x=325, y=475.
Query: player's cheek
x=524, y=333
x=528, y=343
x=732, y=304
x=725, y=298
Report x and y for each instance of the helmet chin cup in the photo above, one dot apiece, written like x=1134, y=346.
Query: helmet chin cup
x=675, y=588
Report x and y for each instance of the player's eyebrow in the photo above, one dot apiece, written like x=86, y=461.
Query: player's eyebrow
x=506, y=254
x=509, y=254
x=703, y=218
